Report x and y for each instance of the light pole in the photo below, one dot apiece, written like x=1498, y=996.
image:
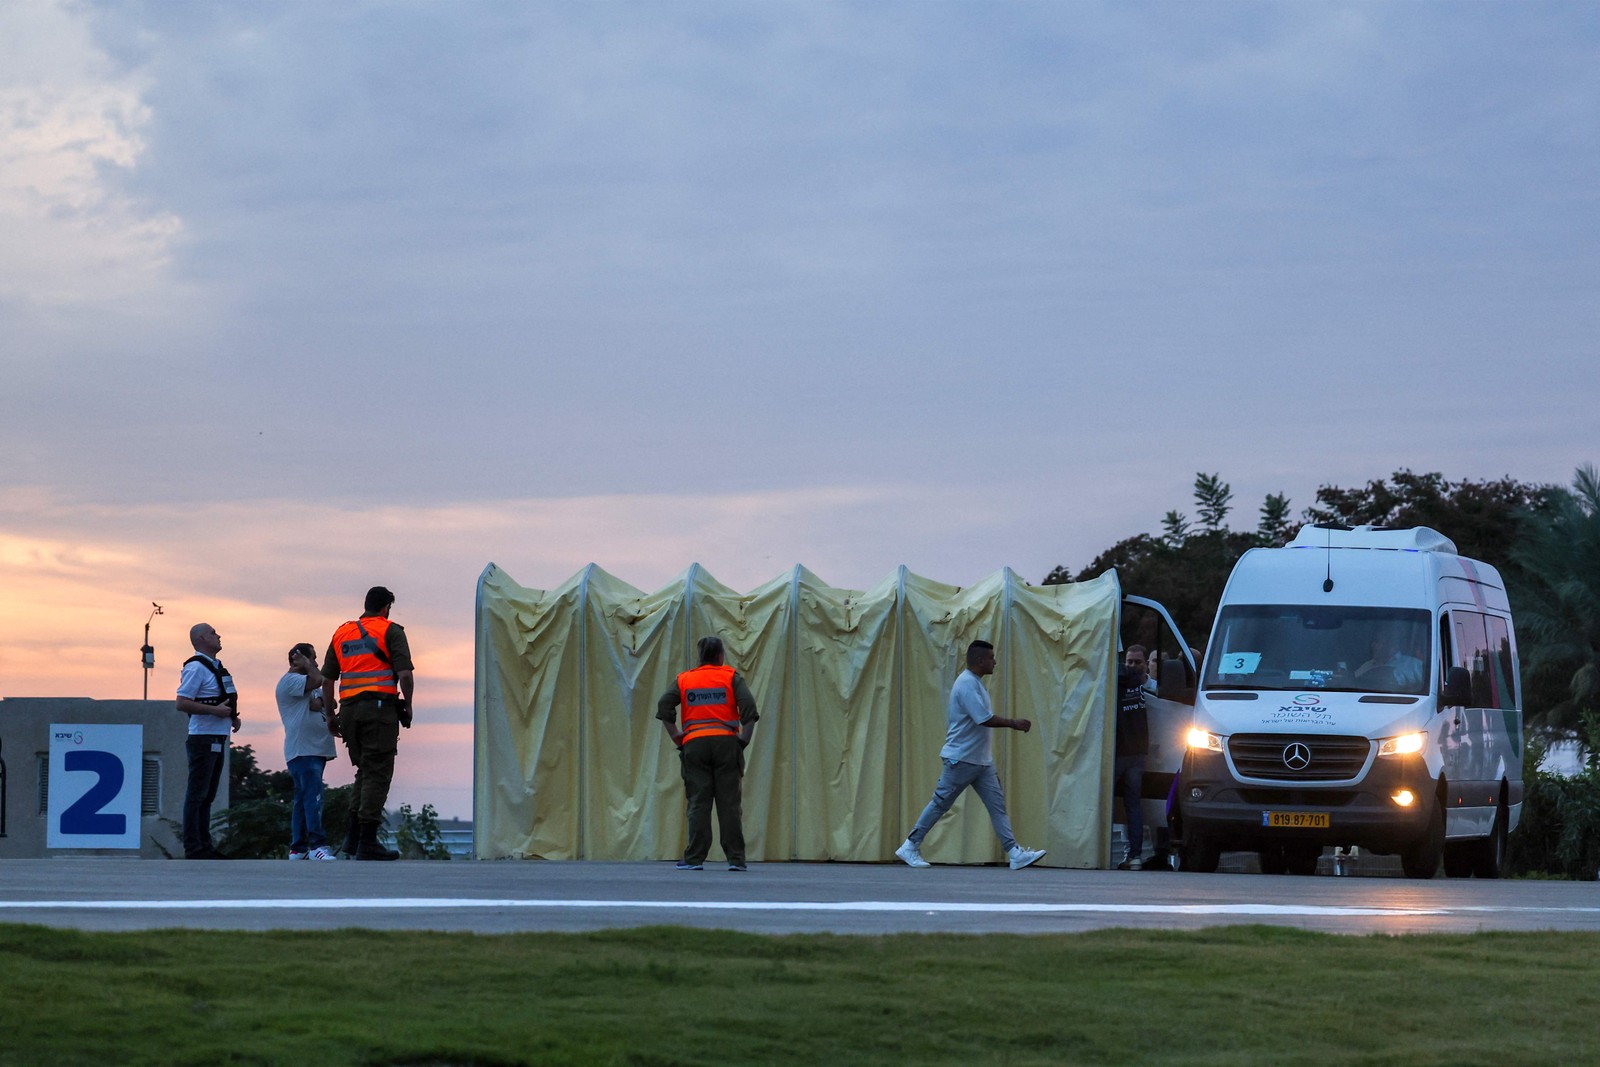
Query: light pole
x=149, y=654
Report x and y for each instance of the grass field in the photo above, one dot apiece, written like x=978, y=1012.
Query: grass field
x=667, y=996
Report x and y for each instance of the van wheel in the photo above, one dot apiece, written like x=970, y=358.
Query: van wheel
x=1200, y=854
x=1302, y=859
x=1421, y=858
x=1489, y=855
x=1273, y=860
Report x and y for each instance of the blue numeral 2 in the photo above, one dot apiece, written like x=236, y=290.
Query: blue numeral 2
x=85, y=816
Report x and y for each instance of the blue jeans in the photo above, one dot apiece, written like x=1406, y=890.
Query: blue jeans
x=956, y=777
x=305, y=817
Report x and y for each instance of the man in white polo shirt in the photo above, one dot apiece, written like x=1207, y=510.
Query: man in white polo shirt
x=206, y=694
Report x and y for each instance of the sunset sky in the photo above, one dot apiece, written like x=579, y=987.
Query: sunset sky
x=300, y=298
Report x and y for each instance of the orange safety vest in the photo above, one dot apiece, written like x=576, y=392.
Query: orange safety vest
x=362, y=646
x=706, y=696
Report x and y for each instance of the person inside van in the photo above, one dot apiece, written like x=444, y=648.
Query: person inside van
x=1390, y=668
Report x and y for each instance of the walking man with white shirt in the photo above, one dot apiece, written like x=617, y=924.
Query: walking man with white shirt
x=969, y=761
x=206, y=694
x=307, y=748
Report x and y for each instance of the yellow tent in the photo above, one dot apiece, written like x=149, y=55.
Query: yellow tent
x=571, y=763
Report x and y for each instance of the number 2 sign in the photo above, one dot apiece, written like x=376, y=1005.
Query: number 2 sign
x=96, y=772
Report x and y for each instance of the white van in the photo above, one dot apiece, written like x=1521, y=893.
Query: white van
x=1360, y=689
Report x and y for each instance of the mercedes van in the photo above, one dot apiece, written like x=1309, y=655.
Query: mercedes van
x=1360, y=689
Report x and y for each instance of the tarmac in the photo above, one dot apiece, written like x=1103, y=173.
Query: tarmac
x=496, y=897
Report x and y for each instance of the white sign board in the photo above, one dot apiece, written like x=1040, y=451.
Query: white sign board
x=96, y=773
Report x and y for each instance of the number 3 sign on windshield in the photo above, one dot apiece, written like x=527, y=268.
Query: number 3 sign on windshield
x=96, y=772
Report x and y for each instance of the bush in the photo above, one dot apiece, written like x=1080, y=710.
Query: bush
x=1559, y=833
x=417, y=836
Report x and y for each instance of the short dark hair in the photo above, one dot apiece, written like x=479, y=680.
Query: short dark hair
x=710, y=649
x=306, y=649
x=1145, y=652
x=975, y=648
x=378, y=598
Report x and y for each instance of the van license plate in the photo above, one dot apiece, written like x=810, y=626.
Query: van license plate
x=1295, y=820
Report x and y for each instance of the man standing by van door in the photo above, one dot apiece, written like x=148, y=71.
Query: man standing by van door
x=719, y=715
x=1132, y=748
x=969, y=761
x=370, y=659
x=206, y=694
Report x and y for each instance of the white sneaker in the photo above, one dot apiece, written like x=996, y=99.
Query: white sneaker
x=321, y=852
x=297, y=855
x=912, y=855
x=1022, y=857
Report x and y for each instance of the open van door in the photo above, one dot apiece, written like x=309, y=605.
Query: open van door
x=1169, y=708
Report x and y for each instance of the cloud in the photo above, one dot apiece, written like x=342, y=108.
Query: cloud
x=68, y=125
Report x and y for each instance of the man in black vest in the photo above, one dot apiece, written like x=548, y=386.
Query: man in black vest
x=206, y=694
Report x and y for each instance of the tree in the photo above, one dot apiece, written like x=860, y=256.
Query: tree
x=1275, y=529
x=1175, y=528
x=1480, y=517
x=1184, y=569
x=1557, y=608
x=1212, y=497
x=1060, y=574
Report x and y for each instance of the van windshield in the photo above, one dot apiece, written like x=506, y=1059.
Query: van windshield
x=1297, y=646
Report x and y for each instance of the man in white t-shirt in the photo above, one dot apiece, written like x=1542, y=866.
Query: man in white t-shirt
x=969, y=761
x=307, y=746
x=206, y=694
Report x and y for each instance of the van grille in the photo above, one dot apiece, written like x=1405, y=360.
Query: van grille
x=1332, y=759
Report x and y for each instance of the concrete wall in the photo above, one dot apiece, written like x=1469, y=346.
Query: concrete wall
x=25, y=746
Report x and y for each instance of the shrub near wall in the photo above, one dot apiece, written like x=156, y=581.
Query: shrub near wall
x=1559, y=834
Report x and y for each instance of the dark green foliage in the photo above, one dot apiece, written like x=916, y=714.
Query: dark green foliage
x=336, y=813
x=1175, y=528
x=1184, y=569
x=256, y=824
x=248, y=782
x=1213, y=500
x=417, y=836
x=1556, y=597
x=1560, y=829
x=1480, y=517
x=1187, y=578
x=1559, y=833
x=1275, y=529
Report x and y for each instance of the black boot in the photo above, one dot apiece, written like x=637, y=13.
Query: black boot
x=369, y=848
x=352, y=837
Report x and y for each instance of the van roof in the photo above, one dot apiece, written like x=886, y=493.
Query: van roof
x=1411, y=539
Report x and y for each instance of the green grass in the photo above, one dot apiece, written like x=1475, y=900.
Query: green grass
x=675, y=996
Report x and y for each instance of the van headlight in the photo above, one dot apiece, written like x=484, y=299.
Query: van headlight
x=1204, y=741
x=1403, y=744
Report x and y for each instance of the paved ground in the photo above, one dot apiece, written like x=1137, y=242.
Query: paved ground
x=503, y=897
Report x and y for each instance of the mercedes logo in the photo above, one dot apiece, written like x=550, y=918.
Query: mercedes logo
x=1297, y=757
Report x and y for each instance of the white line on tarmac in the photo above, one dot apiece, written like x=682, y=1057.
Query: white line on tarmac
x=444, y=903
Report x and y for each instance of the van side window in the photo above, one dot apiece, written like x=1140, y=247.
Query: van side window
x=1502, y=663
x=1482, y=644
x=1446, y=659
